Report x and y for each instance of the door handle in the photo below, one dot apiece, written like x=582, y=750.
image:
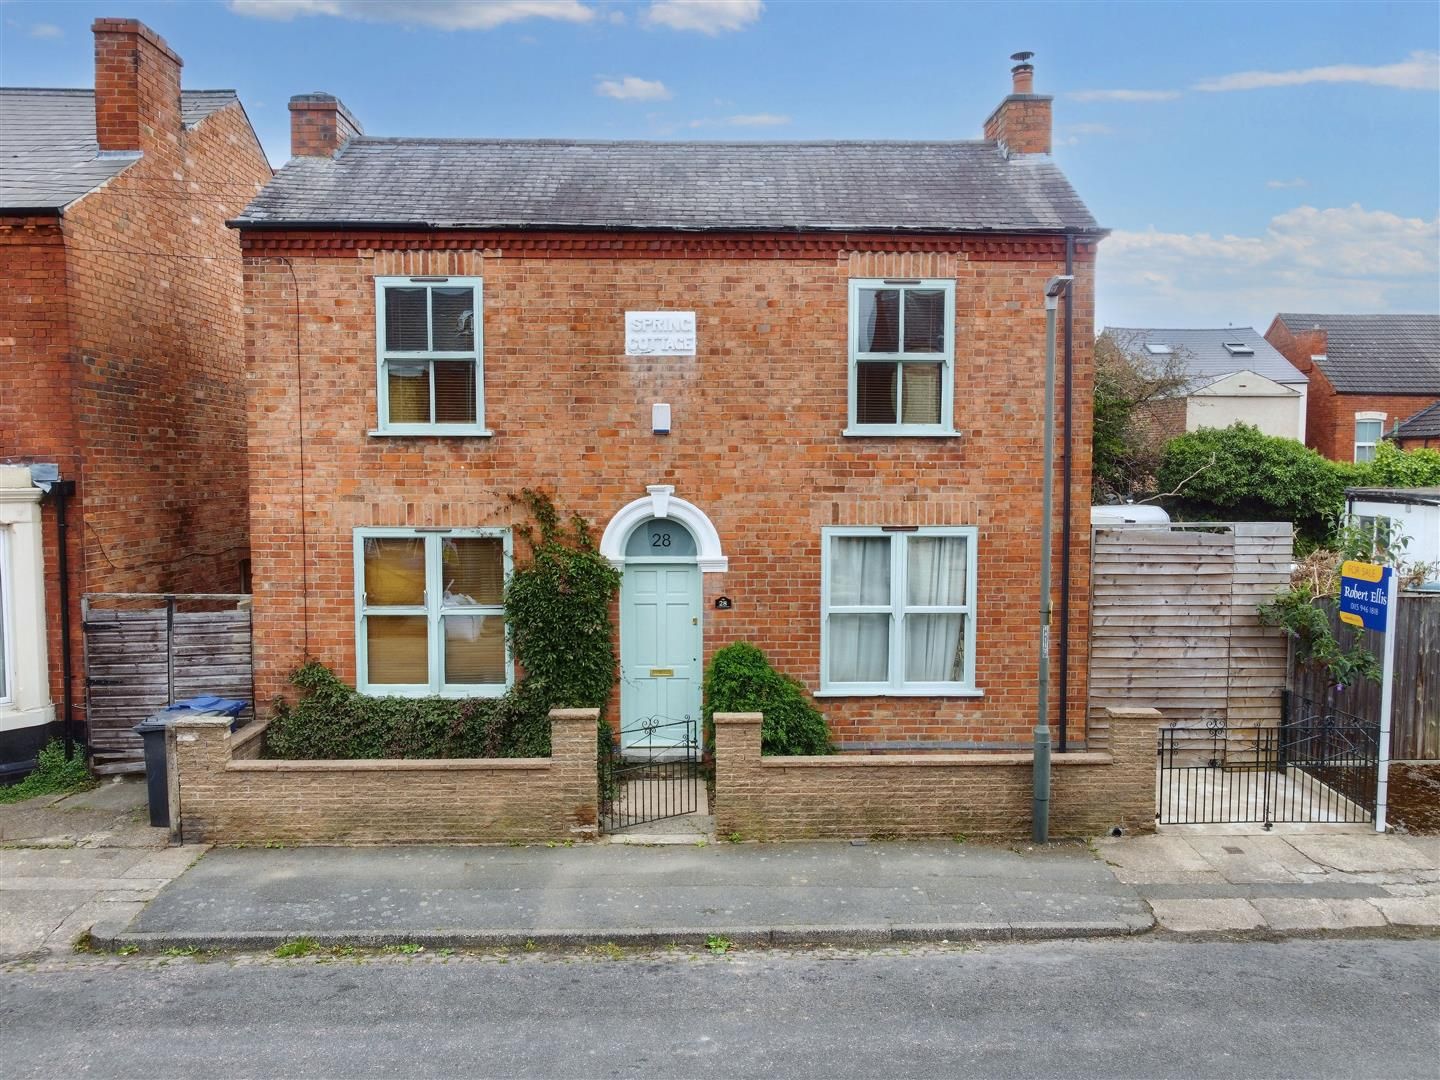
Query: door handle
x=662, y=673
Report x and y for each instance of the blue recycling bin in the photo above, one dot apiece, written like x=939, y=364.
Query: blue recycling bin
x=152, y=735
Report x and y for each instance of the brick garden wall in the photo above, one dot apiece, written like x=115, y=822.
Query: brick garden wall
x=756, y=440
x=222, y=792
x=979, y=796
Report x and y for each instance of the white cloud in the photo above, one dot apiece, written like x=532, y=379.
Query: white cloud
x=439, y=14
x=1338, y=259
x=46, y=30
x=1297, y=182
x=743, y=120
x=1123, y=95
x=1420, y=71
x=706, y=16
x=629, y=88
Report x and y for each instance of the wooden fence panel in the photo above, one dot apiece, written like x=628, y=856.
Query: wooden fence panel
x=140, y=657
x=1415, y=715
x=1173, y=623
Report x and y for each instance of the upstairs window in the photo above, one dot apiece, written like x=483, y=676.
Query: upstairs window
x=429, y=348
x=1369, y=429
x=902, y=352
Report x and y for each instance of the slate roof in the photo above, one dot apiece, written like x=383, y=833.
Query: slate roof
x=49, y=156
x=526, y=184
x=1425, y=424
x=1205, y=357
x=1377, y=354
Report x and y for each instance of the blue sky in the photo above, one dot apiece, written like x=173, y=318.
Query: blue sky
x=1251, y=157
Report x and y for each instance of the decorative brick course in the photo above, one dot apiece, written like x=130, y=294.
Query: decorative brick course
x=222, y=792
x=981, y=796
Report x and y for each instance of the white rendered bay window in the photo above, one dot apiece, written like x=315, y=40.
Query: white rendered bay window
x=430, y=356
x=898, y=611
x=430, y=614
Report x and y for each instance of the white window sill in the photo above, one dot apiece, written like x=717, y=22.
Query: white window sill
x=898, y=431
x=956, y=693
x=421, y=431
x=426, y=692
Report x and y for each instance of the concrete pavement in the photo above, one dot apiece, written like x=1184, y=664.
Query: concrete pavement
x=747, y=893
x=1295, y=882
x=70, y=862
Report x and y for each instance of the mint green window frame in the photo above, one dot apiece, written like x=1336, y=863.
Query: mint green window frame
x=945, y=358
x=7, y=637
x=897, y=609
x=383, y=357
x=433, y=609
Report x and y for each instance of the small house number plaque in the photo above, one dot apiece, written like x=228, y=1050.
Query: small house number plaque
x=723, y=603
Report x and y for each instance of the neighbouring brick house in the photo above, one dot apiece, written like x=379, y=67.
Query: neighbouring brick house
x=797, y=387
x=1367, y=373
x=123, y=358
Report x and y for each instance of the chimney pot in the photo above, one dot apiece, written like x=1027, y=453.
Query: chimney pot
x=1021, y=125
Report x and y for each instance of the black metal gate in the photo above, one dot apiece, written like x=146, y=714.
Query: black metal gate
x=655, y=776
x=1319, y=764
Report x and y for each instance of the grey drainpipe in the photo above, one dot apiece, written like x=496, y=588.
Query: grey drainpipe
x=61, y=491
x=1065, y=530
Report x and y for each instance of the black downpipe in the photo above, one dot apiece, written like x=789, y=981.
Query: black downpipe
x=63, y=490
x=1065, y=496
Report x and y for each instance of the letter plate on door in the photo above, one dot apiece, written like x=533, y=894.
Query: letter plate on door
x=662, y=673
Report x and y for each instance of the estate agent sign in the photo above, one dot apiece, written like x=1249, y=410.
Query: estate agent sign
x=1367, y=598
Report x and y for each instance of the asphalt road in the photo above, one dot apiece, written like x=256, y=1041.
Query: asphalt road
x=1143, y=1008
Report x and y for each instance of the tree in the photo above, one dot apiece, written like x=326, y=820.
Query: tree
x=1128, y=383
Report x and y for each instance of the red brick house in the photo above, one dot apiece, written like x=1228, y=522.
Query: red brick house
x=797, y=387
x=123, y=360
x=1367, y=373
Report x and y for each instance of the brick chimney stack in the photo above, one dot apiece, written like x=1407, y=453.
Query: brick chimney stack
x=320, y=125
x=1021, y=125
x=137, y=87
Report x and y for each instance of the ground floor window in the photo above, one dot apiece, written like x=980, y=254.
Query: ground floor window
x=898, y=610
x=430, y=616
x=5, y=633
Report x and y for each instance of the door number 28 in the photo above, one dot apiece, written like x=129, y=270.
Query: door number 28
x=659, y=540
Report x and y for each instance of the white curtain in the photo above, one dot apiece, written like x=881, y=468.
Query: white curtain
x=859, y=644
x=935, y=576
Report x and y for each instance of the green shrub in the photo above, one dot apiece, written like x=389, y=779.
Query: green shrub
x=52, y=775
x=1238, y=474
x=557, y=613
x=740, y=679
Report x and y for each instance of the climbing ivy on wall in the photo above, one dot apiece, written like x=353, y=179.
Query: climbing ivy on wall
x=557, y=615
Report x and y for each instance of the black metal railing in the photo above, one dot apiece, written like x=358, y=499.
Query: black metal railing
x=651, y=772
x=1318, y=765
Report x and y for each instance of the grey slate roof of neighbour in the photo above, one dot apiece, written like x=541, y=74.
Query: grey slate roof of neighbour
x=1205, y=357
x=49, y=156
x=519, y=184
x=1423, y=425
x=1377, y=354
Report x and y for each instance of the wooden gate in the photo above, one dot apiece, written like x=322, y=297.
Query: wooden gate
x=144, y=651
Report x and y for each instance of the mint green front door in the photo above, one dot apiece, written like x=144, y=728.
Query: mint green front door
x=660, y=650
